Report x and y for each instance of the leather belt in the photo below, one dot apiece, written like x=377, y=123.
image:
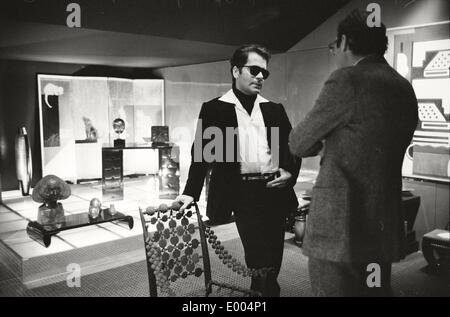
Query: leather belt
x=267, y=177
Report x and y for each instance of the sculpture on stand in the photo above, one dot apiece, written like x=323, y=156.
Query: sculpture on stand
x=90, y=130
x=48, y=191
x=119, y=127
x=51, y=218
x=24, y=167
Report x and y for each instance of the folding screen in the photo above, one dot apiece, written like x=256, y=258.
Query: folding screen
x=76, y=116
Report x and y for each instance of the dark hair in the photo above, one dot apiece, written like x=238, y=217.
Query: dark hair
x=240, y=56
x=362, y=39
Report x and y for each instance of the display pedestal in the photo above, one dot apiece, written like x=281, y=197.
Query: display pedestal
x=119, y=143
x=112, y=174
x=95, y=248
x=88, y=161
x=168, y=170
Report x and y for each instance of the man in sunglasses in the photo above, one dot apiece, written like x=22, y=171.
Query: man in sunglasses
x=366, y=113
x=255, y=175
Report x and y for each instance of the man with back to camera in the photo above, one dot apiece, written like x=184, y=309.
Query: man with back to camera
x=253, y=173
x=366, y=113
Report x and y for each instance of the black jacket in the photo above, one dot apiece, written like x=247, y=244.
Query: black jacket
x=225, y=173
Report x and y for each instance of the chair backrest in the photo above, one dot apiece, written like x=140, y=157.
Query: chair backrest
x=175, y=243
x=177, y=254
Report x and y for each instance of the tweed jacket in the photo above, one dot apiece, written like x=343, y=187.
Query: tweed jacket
x=366, y=116
x=220, y=113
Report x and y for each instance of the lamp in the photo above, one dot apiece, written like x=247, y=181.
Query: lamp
x=24, y=167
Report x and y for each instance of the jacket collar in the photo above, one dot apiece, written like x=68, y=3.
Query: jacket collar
x=371, y=59
x=230, y=97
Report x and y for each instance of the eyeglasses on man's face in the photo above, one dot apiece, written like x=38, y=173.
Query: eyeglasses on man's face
x=332, y=46
x=256, y=70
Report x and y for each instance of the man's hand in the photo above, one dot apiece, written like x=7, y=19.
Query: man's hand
x=184, y=200
x=282, y=181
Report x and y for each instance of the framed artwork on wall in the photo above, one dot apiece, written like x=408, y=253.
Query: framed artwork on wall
x=422, y=55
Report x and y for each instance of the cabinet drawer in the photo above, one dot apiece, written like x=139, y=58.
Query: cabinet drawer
x=113, y=171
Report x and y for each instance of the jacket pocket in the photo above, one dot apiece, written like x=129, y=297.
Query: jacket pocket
x=329, y=213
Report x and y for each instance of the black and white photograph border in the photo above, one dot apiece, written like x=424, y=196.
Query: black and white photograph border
x=70, y=69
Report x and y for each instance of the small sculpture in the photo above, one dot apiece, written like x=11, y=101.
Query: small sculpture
x=112, y=210
x=91, y=131
x=119, y=127
x=94, y=208
x=52, y=90
x=48, y=191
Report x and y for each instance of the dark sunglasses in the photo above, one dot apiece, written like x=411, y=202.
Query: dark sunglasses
x=255, y=70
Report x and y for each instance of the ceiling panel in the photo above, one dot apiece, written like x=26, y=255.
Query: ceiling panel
x=155, y=33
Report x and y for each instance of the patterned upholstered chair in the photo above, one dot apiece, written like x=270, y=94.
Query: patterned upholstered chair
x=177, y=253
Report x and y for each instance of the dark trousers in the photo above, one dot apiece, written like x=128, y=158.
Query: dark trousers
x=260, y=221
x=336, y=279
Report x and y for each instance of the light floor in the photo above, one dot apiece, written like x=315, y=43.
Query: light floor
x=29, y=269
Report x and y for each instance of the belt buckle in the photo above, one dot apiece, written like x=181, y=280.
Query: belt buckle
x=270, y=177
x=259, y=177
x=252, y=177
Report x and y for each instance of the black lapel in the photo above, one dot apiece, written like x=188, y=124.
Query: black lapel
x=270, y=118
x=228, y=114
x=228, y=118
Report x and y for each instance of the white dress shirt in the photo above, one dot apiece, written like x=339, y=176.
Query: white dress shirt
x=254, y=151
